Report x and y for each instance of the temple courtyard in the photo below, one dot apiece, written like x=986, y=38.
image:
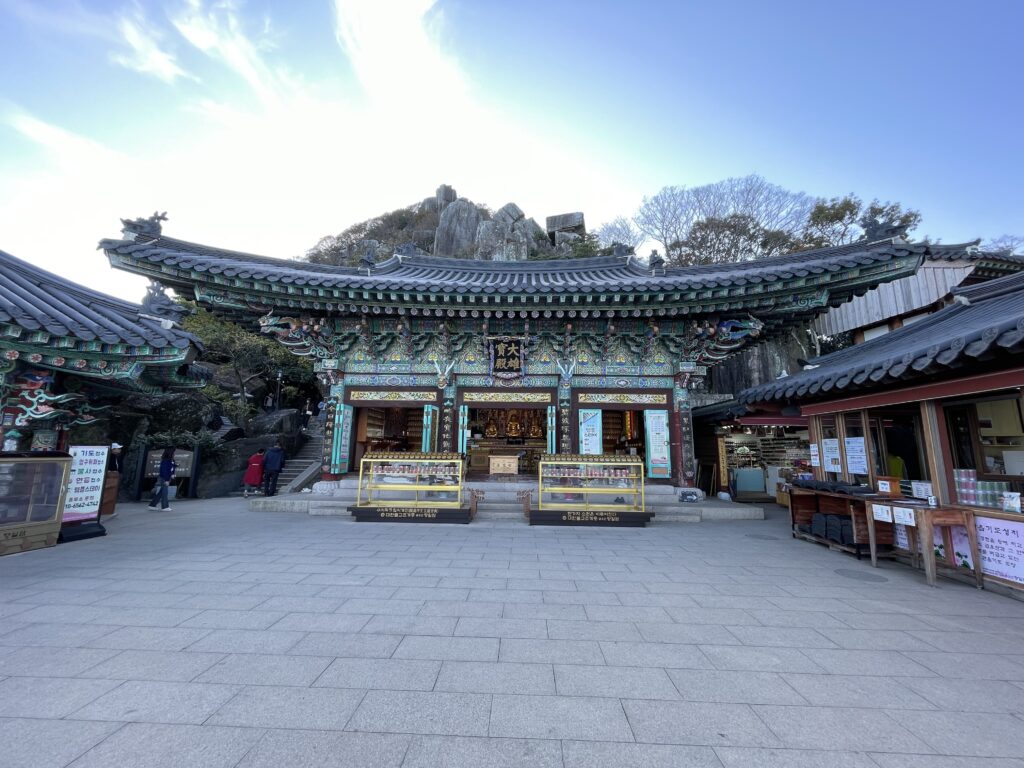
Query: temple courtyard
x=216, y=636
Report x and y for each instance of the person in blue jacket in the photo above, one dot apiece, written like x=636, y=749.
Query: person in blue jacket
x=167, y=468
x=273, y=463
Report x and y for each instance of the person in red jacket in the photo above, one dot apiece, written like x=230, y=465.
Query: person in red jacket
x=254, y=472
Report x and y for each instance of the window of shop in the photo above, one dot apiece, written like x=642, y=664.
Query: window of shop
x=986, y=442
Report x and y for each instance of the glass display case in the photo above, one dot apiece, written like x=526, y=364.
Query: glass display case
x=32, y=492
x=591, y=483
x=410, y=480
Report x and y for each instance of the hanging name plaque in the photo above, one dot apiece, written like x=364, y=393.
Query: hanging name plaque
x=507, y=357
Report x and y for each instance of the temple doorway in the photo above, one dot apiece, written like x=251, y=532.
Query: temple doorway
x=392, y=429
x=622, y=433
x=509, y=433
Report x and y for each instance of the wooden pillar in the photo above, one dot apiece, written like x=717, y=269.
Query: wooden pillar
x=449, y=421
x=337, y=430
x=684, y=457
x=565, y=429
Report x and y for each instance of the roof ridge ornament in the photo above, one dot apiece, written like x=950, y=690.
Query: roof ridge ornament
x=131, y=228
x=874, y=229
x=656, y=263
x=157, y=305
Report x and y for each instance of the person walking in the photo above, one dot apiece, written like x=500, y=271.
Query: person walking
x=254, y=473
x=321, y=414
x=268, y=403
x=273, y=463
x=307, y=413
x=166, y=474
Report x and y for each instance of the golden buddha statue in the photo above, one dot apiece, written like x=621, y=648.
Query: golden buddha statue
x=491, y=430
x=512, y=427
x=535, y=428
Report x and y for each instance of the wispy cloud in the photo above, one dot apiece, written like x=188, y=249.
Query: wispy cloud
x=393, y=48
x=218, y=30
x=302, y=159
x=144, y=53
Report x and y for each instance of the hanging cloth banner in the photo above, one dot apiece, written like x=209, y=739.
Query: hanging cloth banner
x=429, y=425
x=463, y=429
x=552, y=420
x=656, y=438
x=591, y=438
x=342, y=437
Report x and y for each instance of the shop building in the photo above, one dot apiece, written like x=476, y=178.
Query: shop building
x=933, y=409
x=588, y=356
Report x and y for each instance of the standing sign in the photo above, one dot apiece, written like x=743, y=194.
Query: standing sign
x=815, y=456
x=830, y=453
x=656, y=437
x=590, y=431
x=85, y=488
x=856, y=455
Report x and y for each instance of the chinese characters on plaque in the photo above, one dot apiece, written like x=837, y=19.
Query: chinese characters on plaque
x=506, y=357
x=85, y=488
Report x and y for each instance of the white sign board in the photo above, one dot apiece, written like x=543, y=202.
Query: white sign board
x=830, y=453
x=815, y=456
x=657, y=438
x=900, y=537
x=1000, y=544
x=920, y=489
x=856, y=455
x=85, y=489
x=882, y=512
x=884, y=486
x=904, y=516
x=590, y=431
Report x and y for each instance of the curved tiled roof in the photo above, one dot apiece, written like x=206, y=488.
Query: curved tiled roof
x=985, y=323
x=178, y=263
x=36, y=300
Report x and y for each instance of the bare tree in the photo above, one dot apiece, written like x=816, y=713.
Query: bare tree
x=620, y=231
x=772, y=207
x=666, y=217
x=1007, y=243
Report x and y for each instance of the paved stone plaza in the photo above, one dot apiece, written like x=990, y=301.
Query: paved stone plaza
x=214, y=636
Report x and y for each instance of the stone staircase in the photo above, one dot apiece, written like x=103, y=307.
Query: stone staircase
x=500, y=502
x=310, y=454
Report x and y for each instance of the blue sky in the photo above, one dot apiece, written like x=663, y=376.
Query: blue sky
x=262, y=126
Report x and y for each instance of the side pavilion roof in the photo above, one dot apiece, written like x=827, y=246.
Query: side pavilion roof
x=53, y=323
x=982, y=329
x=778, y=291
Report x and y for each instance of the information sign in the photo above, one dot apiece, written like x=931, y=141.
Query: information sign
x=856, y=455
x=85, y=488
x=1000, y=544
x=656, y=438
x=920, y=489
x=882, y=512
x=590, y=431
x=904, y=516
x=830, y=454
x=815, y=456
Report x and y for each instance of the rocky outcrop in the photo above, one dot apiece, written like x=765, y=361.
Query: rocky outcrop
x=456, y=231
x=508, y=236
x=444, y=197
